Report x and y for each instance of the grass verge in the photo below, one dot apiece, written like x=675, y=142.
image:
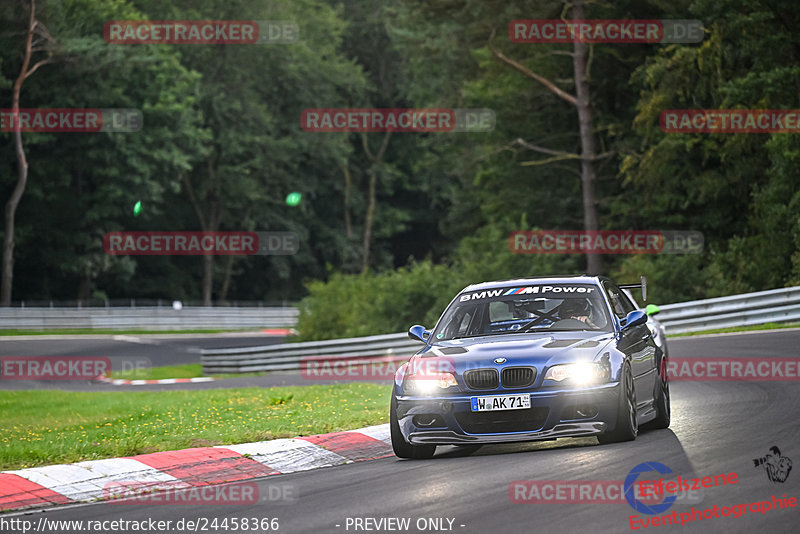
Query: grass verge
x=190, y=370
x=766, y=326
x=51, y=427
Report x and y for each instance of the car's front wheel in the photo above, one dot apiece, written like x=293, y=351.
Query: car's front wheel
x=626, y=428
x=403, y=449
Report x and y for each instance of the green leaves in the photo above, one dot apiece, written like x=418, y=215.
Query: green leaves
x=222, y=121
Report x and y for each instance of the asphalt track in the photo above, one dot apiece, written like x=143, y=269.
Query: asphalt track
x=183, y=349
x=717, y=427
x=169, y=349
x=153, y=350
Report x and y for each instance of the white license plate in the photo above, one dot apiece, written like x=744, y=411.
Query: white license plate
x=501, y=402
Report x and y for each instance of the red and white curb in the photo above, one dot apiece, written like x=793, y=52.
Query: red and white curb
x=126, y=382
x=89, y=481
x=284, y=332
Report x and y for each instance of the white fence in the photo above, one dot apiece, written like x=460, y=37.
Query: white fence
x=147, y=318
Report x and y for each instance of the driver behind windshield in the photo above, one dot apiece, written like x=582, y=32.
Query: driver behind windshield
x=576, y=309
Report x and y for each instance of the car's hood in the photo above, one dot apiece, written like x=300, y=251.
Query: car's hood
x=537, y=349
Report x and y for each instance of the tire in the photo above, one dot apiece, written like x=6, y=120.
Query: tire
x=663, y=408
x=403, y=449
x=626, y=428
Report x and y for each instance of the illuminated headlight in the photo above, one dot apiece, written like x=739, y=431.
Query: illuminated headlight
x=427, y=384
x=579, y=373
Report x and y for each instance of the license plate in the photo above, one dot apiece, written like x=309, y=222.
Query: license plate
x=501, y=402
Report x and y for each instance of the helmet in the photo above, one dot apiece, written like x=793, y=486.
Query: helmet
x=573, y=308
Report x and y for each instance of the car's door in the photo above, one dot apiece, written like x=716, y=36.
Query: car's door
x=638, y=344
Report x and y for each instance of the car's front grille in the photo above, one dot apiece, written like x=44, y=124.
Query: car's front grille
x=481, y=379
x=518, y=377
x=495, y=422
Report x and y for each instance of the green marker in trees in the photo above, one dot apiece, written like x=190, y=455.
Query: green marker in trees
x=293, y=199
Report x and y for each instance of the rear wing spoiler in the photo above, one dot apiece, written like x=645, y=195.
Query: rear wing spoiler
x=641, y=285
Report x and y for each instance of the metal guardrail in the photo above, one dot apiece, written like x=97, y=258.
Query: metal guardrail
x=146, y=318
x=777, y=305
x=289, y=356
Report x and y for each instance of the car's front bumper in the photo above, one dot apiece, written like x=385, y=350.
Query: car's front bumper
x=449, y=437
x=552, y=415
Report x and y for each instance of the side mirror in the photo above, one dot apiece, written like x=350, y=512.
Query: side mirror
x=652, y=309
x=418, y=333
x=635, y=318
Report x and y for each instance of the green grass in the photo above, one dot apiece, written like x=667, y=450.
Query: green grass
x=109, y=331
x=766, y=326
x=50, y=427
x=190, y=370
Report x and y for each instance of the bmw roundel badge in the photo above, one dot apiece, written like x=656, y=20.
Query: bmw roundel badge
x=499, y=360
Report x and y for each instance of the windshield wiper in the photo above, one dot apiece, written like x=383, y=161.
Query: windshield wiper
x=472, y=335
x=531, y=329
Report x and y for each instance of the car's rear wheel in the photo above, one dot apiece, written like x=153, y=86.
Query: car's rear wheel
x=663, y=408
x=626, y=428
x=403, y=449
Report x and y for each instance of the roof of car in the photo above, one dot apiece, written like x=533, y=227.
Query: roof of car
x=557, y=279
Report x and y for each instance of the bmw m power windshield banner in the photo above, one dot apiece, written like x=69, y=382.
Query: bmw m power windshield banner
x=547, y=291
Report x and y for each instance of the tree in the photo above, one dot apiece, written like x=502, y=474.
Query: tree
x=741, y=190
x=85, y=184
x=378, y=170
x=582, y=102
x=493, y=15
x=44, y=43
x=250, y=100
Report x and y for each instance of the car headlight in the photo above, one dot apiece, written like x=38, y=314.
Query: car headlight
x=429, y=383
x=579, y=373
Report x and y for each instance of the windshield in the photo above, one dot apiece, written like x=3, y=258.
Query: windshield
x=537, y=308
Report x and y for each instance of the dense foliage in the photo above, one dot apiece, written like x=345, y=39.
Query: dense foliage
x=223, y=146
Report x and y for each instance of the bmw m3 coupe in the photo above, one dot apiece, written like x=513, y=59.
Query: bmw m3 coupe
x=532, y=359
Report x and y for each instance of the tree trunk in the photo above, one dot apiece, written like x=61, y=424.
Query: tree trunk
x=348, y=184
x=581, y=101
x=22, y=170
x=208, y=278
x=230, y=260
x=370, y=216
x=594, y=262
x=209, y=223
x=226, y=282
x=373, y=178
x=11, y=211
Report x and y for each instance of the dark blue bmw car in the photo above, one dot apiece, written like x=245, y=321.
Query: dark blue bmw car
x=532, y=359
